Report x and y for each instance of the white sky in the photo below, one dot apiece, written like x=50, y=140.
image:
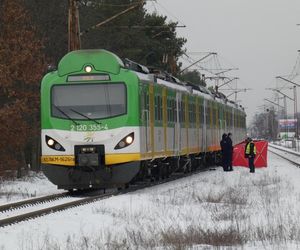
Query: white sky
x=260, y=37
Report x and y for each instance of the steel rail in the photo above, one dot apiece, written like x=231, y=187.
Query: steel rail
x=286, y=151
x=52, y=209
x=297, y=164
x=33, y=201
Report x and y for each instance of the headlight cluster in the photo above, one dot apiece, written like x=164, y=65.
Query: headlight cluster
x=54, y=144
x=126, y=141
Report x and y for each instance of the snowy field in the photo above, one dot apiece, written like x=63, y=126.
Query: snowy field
x=228, y=210
x=33, y=186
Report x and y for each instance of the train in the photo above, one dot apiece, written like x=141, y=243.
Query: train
x=106, y=122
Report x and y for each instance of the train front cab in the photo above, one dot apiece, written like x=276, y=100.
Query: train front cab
x=90, y=139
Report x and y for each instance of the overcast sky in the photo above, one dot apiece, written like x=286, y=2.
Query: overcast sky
x=260, y=37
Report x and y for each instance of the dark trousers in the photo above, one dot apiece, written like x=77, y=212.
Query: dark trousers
x=251, y=164
x=230, y=162
x=224, y=163
x=227, y=162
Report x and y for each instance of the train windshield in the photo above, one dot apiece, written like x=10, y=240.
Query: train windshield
x=88, y=101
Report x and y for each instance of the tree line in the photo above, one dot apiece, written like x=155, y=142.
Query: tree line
x=33, y=35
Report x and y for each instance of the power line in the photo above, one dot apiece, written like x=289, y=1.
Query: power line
x=168, y=12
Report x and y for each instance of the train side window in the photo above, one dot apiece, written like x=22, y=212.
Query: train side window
x=155, y=108
x=159, y=107
x=147, y=101
x=172, y=110
x=168, y=111
x=201, y=117
x=175, y=111
x=183, y=111
x=207, y=114
x=193, y=113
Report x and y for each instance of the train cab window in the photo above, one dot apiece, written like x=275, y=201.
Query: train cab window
x=89, y=101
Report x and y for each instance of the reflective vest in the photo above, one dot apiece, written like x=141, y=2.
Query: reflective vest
x=248, y=148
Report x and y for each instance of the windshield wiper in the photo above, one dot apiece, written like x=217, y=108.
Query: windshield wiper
x=83, y=115
x=60, y=110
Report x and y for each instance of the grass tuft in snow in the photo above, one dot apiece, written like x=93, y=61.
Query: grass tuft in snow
x=180, y=239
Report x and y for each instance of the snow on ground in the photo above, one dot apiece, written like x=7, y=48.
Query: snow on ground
x=34, y=185
x=213, y=208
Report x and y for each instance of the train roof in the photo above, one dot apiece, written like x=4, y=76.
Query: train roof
x=203, y=92
x=111, y=63
x=164, y=78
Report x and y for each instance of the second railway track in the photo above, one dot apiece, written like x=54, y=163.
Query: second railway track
x=292, y=157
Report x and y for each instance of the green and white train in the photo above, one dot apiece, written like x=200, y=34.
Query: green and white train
x=105, y=124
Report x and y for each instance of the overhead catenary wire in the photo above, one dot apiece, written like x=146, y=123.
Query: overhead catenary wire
x=132, y=7
x=171, y=14
x=121, y=5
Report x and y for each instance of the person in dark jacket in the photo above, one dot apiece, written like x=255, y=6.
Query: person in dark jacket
x=223, y=145
x=229, y=151
x=250, y=153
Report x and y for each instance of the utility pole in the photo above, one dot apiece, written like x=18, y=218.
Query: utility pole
x=74, y=42
x=273, y=119
x=285, y=104
x=295, y=85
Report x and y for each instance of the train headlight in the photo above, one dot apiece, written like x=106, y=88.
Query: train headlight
x=126, y=141
x=51, y=143
x=129, y=139
x=88, y=69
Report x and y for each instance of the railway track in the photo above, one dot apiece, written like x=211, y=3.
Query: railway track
x=290, y=156
x=33, y=208
x=18, y=214
x=28, y=202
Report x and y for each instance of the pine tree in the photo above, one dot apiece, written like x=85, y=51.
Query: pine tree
x=145, y=38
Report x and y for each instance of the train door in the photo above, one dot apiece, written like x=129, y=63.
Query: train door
x=204, y=130
x=197, y=127
x=165, y=119
x=150, y=129
x=145, y=119
x=177, y=127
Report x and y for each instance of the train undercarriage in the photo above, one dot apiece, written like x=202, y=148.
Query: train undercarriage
x=121, y=175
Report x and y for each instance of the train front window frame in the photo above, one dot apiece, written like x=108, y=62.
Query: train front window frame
x=104, y=100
